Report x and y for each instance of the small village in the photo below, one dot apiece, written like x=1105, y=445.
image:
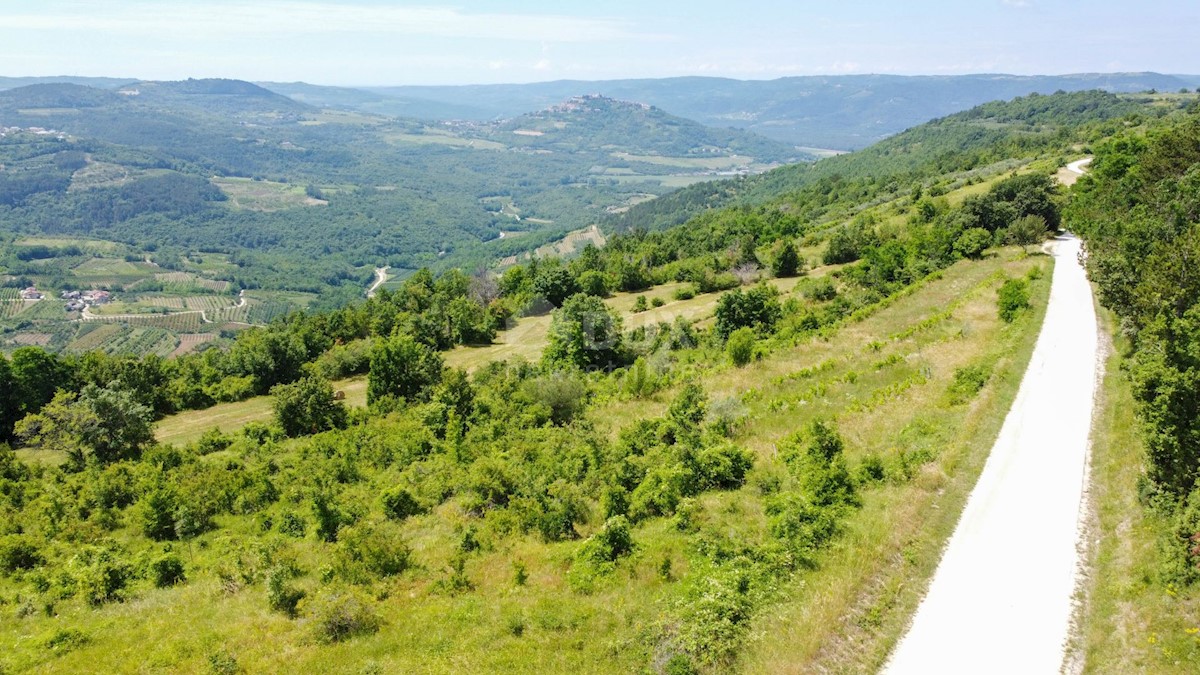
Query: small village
x=76, y=300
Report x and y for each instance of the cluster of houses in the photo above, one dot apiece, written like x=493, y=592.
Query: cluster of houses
x=32, y=293
x=37, y=131
x=77, y=300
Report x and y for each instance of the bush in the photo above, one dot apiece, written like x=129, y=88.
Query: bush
x=167, y=570
x=18, y=553
x=370, y=551
x=821, y=290
x=657, y=302
x=212, y=441
x=684, y=293
x=282, y=597
x=723, y=467
x=815, y=456
x=756, y=308
x=611, y=543
x=639, y=304
x=740, y=346
x=973, y=242
x=99, y=575
x=339, y=615
x=561, y=392
x=968, y=381
x=1012, y=298
x=399, y=504
x=156, y=511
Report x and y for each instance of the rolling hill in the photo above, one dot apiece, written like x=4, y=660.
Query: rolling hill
x=841, y=112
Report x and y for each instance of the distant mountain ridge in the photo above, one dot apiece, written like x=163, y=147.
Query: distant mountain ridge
x=842, y=112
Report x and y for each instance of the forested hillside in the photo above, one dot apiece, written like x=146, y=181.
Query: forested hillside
x=207, y=206
x=1139, y=212
x=975, y=139
x=742, y=468
x=844, y=112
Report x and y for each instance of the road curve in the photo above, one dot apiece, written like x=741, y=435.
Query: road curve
x=1000, y=601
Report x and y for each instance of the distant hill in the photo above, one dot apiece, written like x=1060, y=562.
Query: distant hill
x=380, y=104
x=97, y=82
x=960, y=142
x=841, y=112
x=213, y=96
x=592, y=121
x=59, y=95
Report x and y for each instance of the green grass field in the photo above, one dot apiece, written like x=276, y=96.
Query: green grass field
x=262, y=195
x=230, y=417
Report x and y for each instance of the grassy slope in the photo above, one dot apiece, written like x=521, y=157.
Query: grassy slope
x=1129, y=624
x=229, y=417
x=946, y=323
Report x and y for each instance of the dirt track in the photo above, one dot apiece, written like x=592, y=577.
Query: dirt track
x=1001, y=599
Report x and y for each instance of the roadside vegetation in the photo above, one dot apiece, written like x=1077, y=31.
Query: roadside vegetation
x=1138, y=212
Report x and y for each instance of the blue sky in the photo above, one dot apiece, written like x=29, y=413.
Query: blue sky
x=373, y=42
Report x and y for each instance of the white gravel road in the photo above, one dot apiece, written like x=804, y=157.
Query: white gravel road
x=1000, y=601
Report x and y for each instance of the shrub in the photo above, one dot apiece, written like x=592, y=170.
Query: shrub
x=815, y=456
x=639, y=304
x=167, y=570
x=740, y=346
x=821, y=290
x=99, y=575
x=657, y=302
x=282, y=597
x=399, y=503
x=222, y=662
x=756, y=308
x=1013, y=297
x=723, y=467
x=64, y=640
x=18, y=553
x=659, y=492
x=339, y=615
x=684, y=293
x=212, y=441
x=156, y=511
x=562, y=392
x=614, y=501
x=584, y=333
x=368, y=552
x=973, y=242
x=292, y=524
x=872, y=469
x=611, y=543
x=968, y=381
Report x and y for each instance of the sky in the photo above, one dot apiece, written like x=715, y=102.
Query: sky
x=376, y=42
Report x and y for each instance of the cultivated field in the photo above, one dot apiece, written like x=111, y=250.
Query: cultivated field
x=262, y=195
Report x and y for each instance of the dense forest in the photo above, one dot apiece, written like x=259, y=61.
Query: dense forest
x=1139, y=212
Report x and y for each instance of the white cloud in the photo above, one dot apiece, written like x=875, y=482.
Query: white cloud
x=1017, y=3
x=298, y=17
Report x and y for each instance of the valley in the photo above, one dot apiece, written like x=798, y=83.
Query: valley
x=513, y=377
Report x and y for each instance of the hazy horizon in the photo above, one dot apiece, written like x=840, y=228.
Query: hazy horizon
x=375, y=43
